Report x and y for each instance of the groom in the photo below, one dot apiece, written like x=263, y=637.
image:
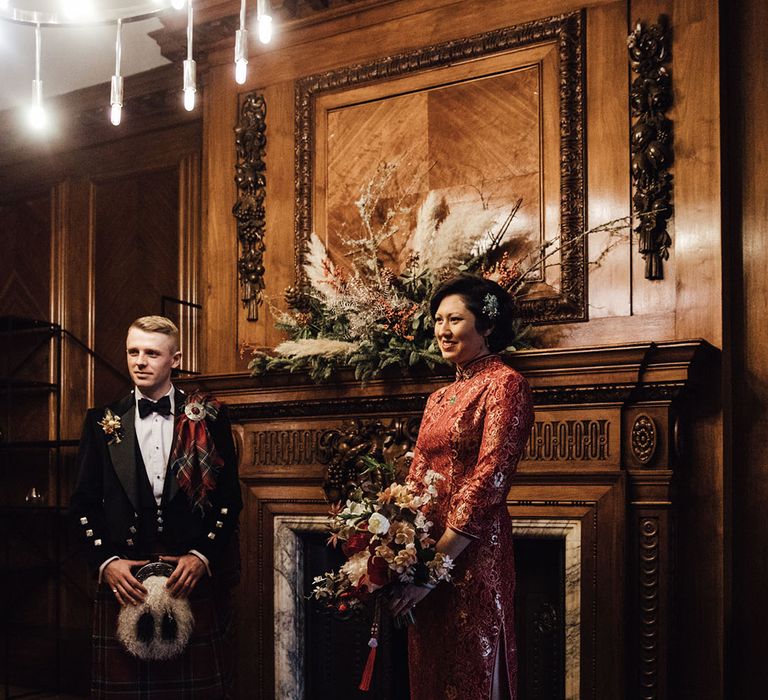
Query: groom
x=158, y=481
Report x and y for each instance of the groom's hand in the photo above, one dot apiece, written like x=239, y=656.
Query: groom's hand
x=189, y=570
x=127, y=589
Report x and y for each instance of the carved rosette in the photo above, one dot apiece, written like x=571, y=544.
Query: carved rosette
x=644, y=438
x=649, y=607
x=342, y=450
x=249, y=210
x=568, y=31
x=650, y=98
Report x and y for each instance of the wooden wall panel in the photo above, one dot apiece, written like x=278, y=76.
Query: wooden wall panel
x=136, y=261
x=219, y=252
x=745, y=100
x=25, y=275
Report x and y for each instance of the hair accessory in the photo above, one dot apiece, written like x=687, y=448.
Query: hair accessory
x=490, y=306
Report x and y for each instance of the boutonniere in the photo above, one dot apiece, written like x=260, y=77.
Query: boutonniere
x=112, y=427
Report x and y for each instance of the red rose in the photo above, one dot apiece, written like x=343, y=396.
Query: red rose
x=378, y=571
x=357, y=542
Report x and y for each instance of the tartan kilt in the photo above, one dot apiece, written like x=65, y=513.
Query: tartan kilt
x=204, y=671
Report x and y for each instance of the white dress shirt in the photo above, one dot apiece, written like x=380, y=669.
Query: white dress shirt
x=155, y=436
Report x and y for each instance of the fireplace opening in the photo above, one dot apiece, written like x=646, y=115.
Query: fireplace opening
x=540, y=617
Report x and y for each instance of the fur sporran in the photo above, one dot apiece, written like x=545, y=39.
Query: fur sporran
x=161, y=626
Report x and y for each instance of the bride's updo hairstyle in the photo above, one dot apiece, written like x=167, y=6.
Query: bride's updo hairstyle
x=489, y=302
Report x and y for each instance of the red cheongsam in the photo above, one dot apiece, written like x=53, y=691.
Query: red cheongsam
x=473, y=433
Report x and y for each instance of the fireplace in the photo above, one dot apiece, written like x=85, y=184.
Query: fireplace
x=593, y=494
x=548, y=595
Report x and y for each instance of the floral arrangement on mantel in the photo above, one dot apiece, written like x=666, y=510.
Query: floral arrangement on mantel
x=371, y=318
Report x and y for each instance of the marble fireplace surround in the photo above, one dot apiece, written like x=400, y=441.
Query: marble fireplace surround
x=289, y=597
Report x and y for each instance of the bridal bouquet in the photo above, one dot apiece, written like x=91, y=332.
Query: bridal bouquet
x=385, y=536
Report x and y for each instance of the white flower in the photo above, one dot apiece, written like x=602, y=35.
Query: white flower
x=354, y=508
x=378, y=524
x=356, y=567
x=421, y=521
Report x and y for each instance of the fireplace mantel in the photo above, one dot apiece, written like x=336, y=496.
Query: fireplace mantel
x=607, y=442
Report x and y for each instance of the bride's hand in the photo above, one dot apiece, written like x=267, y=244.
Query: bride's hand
x=407, y=597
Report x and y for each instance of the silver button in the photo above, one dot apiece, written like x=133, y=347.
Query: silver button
x=83, y=521
x=129, y=542
x=219, y=523
x=159, y=528
x=211, y=535
x=224, y=511
x=89, y=533
x=97, y=543
x=132, y=530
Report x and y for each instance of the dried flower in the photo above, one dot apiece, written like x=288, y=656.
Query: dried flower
x=112, y=427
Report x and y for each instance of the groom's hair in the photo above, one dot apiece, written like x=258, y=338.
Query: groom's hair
x=157, y=324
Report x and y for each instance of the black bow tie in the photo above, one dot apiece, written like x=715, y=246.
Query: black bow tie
x=163, y=407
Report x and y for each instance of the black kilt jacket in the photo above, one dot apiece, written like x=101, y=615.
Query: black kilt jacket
x=115, y=510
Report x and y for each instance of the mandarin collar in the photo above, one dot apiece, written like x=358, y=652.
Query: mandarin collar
x=474, y=366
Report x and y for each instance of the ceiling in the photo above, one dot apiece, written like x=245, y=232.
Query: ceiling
x=72, y=57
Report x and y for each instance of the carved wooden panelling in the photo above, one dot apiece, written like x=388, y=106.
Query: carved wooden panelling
x=569, y=440
x=649, y=584
x=265, y=448
x=644, y=438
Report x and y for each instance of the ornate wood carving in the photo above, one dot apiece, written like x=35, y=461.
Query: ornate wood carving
x=643, y=440
x=651, y=142
x=285, y=448
x=569, y=440
x=649, y=607
x=249, y=211
x=567, y=30
x=342, y=449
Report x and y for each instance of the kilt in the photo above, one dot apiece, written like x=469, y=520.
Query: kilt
x=203, y=672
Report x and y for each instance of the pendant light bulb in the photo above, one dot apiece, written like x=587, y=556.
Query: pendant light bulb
x=265, y=29
x=37, y=117
x=116, y=86
x=190, y=67
x=116, y=114
x=241, y=72
x=189, y=99
x=241, y=56
x=264, y=20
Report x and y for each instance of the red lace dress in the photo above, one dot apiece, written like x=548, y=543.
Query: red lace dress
x=473, y=433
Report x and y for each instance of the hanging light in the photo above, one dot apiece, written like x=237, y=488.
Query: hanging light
x=37, y=116
x=264, y=20
x=116, y=93
x=190, y=68
x=241, y=48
